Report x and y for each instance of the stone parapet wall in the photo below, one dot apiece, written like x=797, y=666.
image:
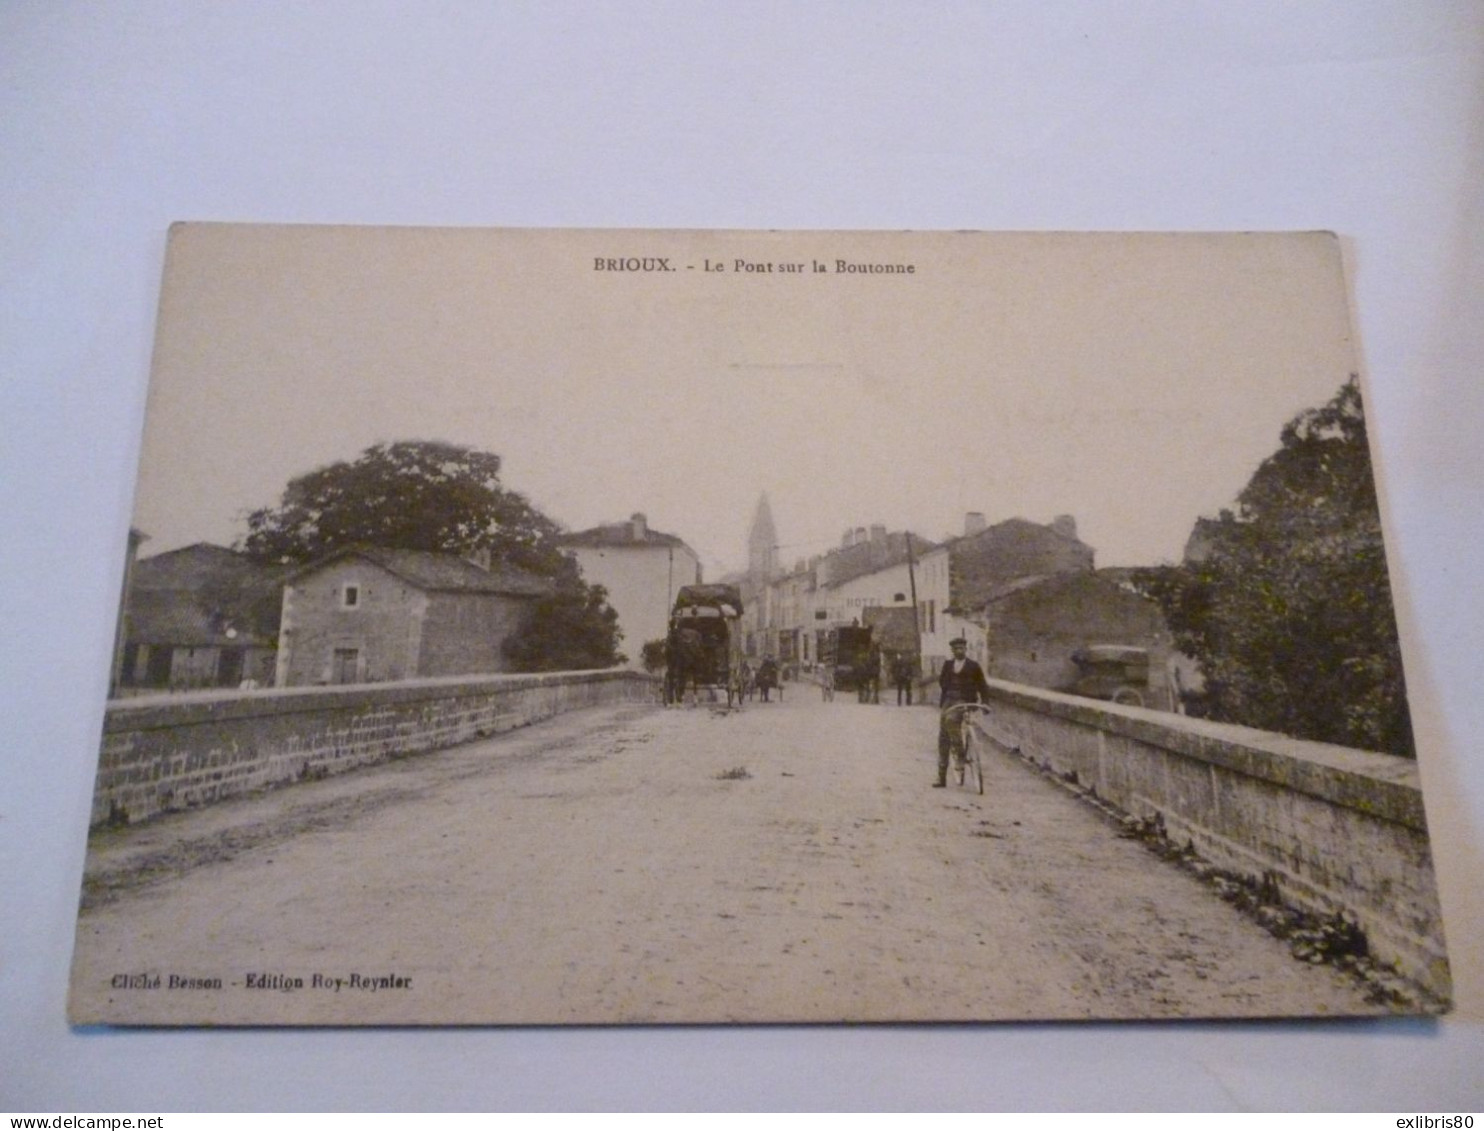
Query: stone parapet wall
x=173, y=752
x=1339, y=831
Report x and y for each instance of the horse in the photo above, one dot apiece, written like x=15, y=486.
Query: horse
x=767, y=678
x=685, y=662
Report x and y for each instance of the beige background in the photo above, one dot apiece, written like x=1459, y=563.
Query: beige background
x=1132, y=381
x=1364, y=119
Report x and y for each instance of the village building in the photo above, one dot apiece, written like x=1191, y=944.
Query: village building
x=1025, y=595
x=788, y=608
x=367, y=614
x=198, y=617
x=792, y=613
x=872, y=568
x=958, y=578
x=1088, y=633
x=116, y=671
x=642, y=570
x=1034, y=610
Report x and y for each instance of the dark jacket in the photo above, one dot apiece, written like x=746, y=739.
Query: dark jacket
x=967, y=686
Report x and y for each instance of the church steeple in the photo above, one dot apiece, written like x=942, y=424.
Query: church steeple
x=762, y=543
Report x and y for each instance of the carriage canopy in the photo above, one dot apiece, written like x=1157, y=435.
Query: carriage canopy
x=713, y=600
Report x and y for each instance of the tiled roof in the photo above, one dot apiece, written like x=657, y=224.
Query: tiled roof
x=192, y=597
x=851, y=562
x=618, y=534
x=1000, y=592
x=176, y=618
x=984, y=564
x=440, y=573
x=191, y=567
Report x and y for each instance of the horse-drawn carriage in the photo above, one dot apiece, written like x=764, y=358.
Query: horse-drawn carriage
x=703, y=648
x=855, y=660
x=895, y=633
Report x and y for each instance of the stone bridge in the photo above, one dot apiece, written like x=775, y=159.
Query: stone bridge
x=1334, y=831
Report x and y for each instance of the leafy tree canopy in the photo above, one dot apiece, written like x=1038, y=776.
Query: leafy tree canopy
x=410, y=495
x=428, y=495
x=572, y=629
x=652, y=655
x=1287, y=603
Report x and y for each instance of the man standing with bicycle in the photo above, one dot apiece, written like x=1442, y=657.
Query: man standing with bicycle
x=961, y=681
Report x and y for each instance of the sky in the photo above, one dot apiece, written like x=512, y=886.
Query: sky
x=1134, y=382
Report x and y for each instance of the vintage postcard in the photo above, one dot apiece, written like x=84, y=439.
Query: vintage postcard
x=638, y=627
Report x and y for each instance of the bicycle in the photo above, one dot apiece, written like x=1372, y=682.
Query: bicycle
x=965, y=753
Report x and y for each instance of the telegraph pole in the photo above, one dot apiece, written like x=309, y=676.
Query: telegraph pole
x=912, y=590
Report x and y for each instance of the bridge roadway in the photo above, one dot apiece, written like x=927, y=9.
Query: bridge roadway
x=637, y=864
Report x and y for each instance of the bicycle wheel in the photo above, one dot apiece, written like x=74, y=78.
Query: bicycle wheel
x=974, y=757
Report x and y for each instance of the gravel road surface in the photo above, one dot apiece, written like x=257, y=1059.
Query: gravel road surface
x=786, y=863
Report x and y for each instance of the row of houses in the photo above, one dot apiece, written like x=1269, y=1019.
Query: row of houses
x=205, y=616
x=1027, y=596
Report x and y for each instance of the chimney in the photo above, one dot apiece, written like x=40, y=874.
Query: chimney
x=878, y=533
x=847, y=539
x=640, y=526
x=973, y=523
x=860, y=535
x=1065, y=525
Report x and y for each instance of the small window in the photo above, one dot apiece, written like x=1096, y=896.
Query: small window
x=350, y=596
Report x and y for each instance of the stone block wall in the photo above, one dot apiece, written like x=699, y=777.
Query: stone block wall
x=385, y=625
x=163, y=753
x=466, y=632
x=1339, y=831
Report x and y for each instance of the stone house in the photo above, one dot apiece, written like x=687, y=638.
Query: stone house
x=198, y=617
x=642, y=570
x=367, y=614
x=956, y=579
x=1068, y=632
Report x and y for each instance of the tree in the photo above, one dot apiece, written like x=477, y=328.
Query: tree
x=572, y=629
x=442, y=498
x=653, y=655
x=410, y=495
x=1288, y=610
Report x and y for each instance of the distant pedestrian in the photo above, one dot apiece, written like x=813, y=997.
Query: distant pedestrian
x=903, y=672
x=870, y=684
x=827, y=682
